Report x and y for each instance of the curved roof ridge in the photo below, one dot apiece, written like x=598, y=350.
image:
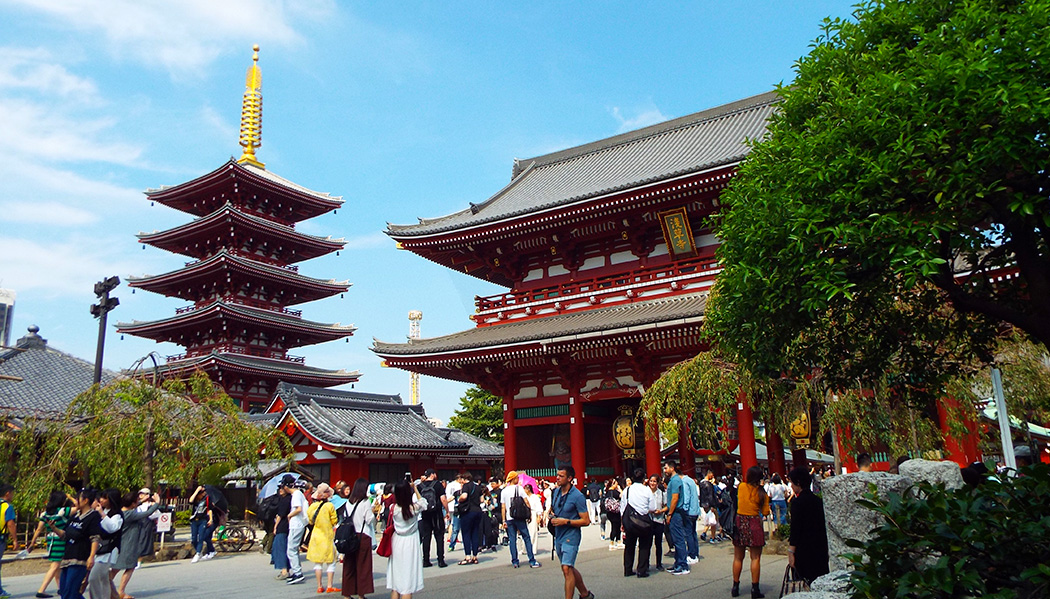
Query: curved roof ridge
x=243, y=260
x=661, y=128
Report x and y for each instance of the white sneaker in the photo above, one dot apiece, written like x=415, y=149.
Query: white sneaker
x=692, y=560
x=196, y=558
x=612, y=547
x=208, y=555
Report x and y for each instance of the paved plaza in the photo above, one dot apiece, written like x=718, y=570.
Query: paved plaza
x=249, y=576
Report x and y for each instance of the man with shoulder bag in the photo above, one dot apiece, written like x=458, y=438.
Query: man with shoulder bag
x=638, y=502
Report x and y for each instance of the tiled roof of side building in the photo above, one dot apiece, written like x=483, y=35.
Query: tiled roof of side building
x=681, y=146
x=51, y=379
x=603, y=321
x=479, y=447
x=366, y=423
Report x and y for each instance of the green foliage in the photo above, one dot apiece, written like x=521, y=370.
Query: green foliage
x=130, y=434
x=911, y=147
x=992, y=541
x=480, y=413
x=182, y=518
x=212, y=474
x=783, y=532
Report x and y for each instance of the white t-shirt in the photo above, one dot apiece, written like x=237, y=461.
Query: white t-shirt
x=508, y=493
x=298, y=500
x=640, y=498
x=776, y=492
x=451, y=490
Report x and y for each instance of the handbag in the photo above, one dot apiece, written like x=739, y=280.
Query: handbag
x=637, y=524
x=386, y=544
x=792, y=583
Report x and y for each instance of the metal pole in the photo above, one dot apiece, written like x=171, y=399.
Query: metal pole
x=101, y=339
x=1004, y=420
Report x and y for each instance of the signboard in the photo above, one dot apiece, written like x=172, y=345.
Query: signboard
x=677, y=234
x=800, y=430
x=164, y=522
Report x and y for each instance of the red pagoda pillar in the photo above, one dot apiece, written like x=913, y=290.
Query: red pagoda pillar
x=745, y=423
x=961, y=450
x=579, y=457
x=652, y=447
x=510, y=436
x=775, y=451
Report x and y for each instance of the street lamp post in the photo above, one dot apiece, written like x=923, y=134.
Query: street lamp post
x=100, y=310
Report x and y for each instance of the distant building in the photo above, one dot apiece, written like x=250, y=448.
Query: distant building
x=7, y=312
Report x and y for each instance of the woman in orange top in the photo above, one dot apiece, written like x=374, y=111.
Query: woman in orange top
x=752, y=504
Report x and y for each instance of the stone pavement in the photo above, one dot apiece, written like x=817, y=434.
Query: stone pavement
x=249, y=576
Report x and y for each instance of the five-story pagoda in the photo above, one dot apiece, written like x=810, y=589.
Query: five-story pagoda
x=242, y=279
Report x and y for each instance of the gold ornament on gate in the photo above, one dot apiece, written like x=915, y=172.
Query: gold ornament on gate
x=623, y=428
x=800, y=430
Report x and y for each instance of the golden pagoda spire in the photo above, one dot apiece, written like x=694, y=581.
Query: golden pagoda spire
x=251, y=113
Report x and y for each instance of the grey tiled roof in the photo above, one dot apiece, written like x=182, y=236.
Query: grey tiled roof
x=271, y=367
x=478, y=447
x=365, y=421
x=263, y=470
x=604, y=321
x=678, y=147
x=52, y=379
x=234, y=166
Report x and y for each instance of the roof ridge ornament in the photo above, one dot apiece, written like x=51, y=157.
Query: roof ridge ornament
x=251, y=113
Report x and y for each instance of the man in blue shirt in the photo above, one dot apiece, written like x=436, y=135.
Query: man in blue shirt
x=568, y=515
x=677, y=520
x=692, y=510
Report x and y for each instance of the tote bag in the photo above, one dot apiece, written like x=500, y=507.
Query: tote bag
x=386, y=544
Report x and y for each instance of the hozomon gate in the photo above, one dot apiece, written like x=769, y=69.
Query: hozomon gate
x=608, y=265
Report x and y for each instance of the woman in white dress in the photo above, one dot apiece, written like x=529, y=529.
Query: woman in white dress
x=536, y=506
x=404, y=568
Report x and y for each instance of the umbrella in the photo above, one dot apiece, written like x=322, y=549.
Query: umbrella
x=525, y=479
x=271, y=486
x=217, y=499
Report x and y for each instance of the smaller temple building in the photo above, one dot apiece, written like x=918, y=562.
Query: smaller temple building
x=343, y=435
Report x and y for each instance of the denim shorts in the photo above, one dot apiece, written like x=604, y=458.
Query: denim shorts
x=567, y=552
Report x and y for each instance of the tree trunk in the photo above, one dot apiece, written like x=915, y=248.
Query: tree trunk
x=147, y=458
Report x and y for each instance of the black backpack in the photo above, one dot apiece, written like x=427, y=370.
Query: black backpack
x=347, y=541
x=519, y=508
x=266, y=511
x=428, y=491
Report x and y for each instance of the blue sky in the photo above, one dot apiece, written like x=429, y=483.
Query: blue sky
x=404, y=109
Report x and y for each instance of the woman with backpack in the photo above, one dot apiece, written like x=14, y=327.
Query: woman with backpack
x=321, y=550
x=611, y=503
x=468, y=506
x=357, y=566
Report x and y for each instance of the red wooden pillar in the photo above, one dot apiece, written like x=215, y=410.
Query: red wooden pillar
x=847, y=458
x=510, y=436
x=745, y=424
x=775, y=451
x=652, y=448
x=579, y=457
x=686, y=455
x=961, y=450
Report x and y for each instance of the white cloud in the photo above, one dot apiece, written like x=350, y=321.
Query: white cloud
x=37, y=130
x=369, y=241
x=33, y=69
x=185, y=36
x=224, y=129
x=644, y=118
x=45, y=213
x=70, y=266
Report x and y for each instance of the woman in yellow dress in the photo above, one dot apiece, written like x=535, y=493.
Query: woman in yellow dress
x=321, y=550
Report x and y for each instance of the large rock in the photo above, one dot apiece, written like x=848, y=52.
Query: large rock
x=946, y=473
x=847, y=520
x=817, y=595
x=836, y=581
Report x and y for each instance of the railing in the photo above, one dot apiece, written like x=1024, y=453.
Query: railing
x=258, y=352
x=252, y=256
x=243, y=301
x=596, y=284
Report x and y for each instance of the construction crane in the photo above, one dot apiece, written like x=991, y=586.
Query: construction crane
x=414, y=317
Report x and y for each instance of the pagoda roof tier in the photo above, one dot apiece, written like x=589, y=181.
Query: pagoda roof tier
x=228, y=274
x=691, y=144
x=222, y=320
x=246, y=186
x=202, y=237
x=264, y=368
x=538, y=333
x=349, y=420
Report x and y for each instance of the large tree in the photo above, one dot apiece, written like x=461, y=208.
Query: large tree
x=132, y=433
x=480, y=413
x=904, y=172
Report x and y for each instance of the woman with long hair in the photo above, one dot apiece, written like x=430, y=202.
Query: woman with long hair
x=659, y=517
x=752, y=505
x=536, y=508
x=611, y=502
x=470, y=514
x=778, y=496
x=111, y=520
x=808, y=541
x=59, y=510
x=357, y=568
x=81, y=535
x=404, y=568
x=132, y=540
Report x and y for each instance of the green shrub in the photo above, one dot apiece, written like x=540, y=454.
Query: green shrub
x=989, y=541
x=782, y=532
x=183, y=518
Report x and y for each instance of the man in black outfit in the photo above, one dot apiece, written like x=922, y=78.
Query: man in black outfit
x=432, y=520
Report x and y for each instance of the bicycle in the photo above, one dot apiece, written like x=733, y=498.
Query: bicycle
x=234, y=536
